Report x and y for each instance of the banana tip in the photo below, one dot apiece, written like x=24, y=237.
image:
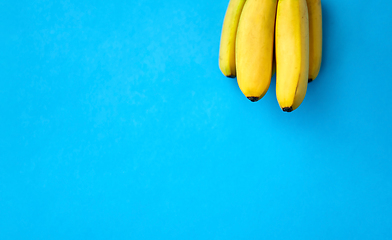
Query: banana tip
x=287, y=109
x=310, y=80
x=254, y=99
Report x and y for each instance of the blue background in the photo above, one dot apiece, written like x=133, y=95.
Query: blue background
x=116, y=123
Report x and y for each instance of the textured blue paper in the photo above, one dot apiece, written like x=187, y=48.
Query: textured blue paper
x=116, y=123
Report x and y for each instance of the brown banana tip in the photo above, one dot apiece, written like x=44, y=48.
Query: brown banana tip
x=254, y=99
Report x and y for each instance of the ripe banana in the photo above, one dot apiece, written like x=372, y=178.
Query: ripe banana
x=315, y=37
x=254, y=47
x=292, y=53
x=228, y=38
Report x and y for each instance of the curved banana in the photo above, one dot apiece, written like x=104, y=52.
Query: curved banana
x=292, y=53
x=315, y=37
x=254, y=47
x=227, y=43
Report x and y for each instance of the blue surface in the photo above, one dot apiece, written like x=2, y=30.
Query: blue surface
x=116, y=123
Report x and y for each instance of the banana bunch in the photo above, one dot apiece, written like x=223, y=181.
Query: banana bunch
x=261, y=36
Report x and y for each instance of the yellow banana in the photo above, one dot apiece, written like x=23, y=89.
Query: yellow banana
x=254, y=47
x=315, y=37
x=292, y=53
x=228, y=37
